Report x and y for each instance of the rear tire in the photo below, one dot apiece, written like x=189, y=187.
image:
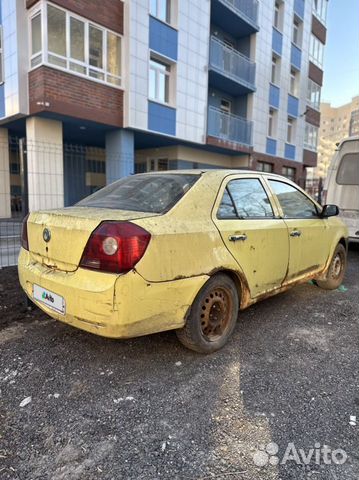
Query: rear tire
x=213, y=316
x=336, y=270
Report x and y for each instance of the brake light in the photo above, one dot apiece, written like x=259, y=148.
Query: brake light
x=115, y=247
x=24, y=237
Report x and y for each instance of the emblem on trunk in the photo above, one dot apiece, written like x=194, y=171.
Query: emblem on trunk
x=46, y=235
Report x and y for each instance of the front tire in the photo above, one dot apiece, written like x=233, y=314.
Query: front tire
x=213, y=316
x=336, y=270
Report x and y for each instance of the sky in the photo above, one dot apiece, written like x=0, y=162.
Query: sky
x=341, y=54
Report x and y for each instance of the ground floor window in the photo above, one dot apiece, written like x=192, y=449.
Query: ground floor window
x=264, y=167
x=289, y=172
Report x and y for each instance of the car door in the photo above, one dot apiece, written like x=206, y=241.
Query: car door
x=251, y=229
x=308, y=232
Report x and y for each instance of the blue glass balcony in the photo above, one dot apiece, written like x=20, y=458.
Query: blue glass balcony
x=289, y=151
x=229, y=127
x=299, y=8
x=238, y=17
x=296, y=57
x=274, y=94
x=271, y=147
x=277, y=41
x=293, y=106
x=229, y=70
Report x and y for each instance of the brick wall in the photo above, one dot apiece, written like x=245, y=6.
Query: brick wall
x=278, y=163
x=74, y=96
x=315, y=74
x=319, y=30
x=312, y=116
x=108, y=13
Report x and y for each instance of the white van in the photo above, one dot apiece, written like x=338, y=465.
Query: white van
x=342, y=184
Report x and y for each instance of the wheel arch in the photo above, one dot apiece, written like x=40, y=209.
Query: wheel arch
x=240, y=282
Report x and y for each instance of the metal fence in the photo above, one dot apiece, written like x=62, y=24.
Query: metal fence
x=40, y=176
x=10, y=232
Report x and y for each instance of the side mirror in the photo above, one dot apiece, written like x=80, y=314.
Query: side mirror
x=330, y=211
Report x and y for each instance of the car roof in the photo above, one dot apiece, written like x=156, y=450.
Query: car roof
x=214, y=172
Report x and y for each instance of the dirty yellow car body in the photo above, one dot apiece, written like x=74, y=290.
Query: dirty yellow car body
x=188, y=245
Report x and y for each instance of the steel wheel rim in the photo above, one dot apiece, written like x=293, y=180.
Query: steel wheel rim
x=216, y=312
x=337, y=266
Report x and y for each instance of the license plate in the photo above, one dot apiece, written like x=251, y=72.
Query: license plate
x=50, y=299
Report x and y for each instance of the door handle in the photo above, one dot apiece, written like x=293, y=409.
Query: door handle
x=295, y=233
x=236, y=238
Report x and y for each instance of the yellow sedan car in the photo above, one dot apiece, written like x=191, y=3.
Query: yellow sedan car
x=181, y=250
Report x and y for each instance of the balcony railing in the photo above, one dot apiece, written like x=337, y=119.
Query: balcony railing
x=227, y=126
x=232, y=64
x=244, y=8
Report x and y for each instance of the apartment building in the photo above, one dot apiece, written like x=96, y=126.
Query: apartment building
x=92, y=93
x=337, y=123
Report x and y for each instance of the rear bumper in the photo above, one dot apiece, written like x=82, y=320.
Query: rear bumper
x=115, y=306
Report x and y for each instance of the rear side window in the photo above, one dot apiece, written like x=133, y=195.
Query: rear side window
x=348, y=172
x=293, y=202
x=142, y=193
x=245, y=198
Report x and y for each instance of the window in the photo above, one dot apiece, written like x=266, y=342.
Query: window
x=272, y=123
x=289, y=172
x=316, y=50
x=348, y=172
x=36, y=47
x=159, y=80
x=278, y=15
x=293, y=202
x=56, y=33
x=310, y=137
x=290, y=130
x=264, y=167
x=320, y=9
x=275, y=70
x=245, y=198
x=313, y=94
x=76, y=44
x=161, y=9
x=143, y=193
x=297, y=33
x=293, y=89
x=158, y=165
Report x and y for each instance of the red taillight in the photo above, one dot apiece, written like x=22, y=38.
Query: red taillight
x=24, y=238
x=115, y=247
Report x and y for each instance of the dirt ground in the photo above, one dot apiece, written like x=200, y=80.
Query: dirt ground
x=149, y=409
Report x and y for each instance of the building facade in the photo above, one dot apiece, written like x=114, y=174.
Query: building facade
x=90, y=94
x=337, y=123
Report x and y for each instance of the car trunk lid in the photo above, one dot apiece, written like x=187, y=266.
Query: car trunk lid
x=57, y=238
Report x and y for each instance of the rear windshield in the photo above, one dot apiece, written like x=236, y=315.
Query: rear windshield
x=348, y=172
x=142, y=193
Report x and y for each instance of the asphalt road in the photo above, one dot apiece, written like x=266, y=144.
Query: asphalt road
x=149, y=409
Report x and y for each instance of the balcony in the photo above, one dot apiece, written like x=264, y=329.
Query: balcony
x=229, y=127
x=238, y=17
x=229, y=70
